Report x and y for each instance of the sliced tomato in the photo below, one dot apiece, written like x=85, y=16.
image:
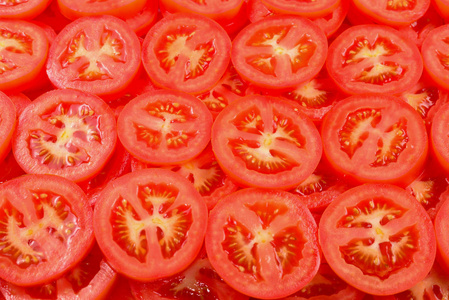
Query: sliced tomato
x=186, y=52
x=73, y=9
x=53, y=17
x=279, y=52
x=67, y=133
x=23, y=51
x=142, y=21
x=266, y=142
x=7, y=124
x=150, y=224
x=434, y=52
x=375, y=138
x=378, y=239
x=198, y=281
x=442, y=7
x=374, y=59
x=439, y=138
x=441, y=224
x=101, y=60
x=22, y=9
x=20, y=102
x=326, y=285
x=90, y=279
x=263, y=243
x=164, y=127
x=305, y=8
x=46, y=228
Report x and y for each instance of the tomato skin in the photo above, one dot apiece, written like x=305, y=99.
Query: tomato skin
x=8, y=124
x=438, y=138
x=337, y=230
x=310, y=9
x=441, y=223
x=142, y=21
x=26, y=10
x=74, y=9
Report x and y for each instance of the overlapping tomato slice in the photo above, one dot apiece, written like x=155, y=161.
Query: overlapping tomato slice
x=263, y=243
x=305, y=8
x=439, y=138
x=150, y=223
x=73, y=9
x=378, y=238
x=22, y=9
x=7, y=124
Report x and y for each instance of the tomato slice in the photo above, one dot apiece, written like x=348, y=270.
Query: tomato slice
x=265, y=142
x=375, y=138
x=441, y=224
x=7, y=124
x=73, y=9
x=442, y=7
x=198, y=281
x=263, y=243
x=67, y=133
x=20, y=102
x=438, y=137
x=186, y=52
x=393, y=13
x=23, y=51
x=279, y=51
x=53, y=17
x=373, y=59
x=46, y=226
x=164, y=127
x=378, y=238
x=22, y=9
x=150, y=223
x=305, y=8
x=101, y=60
x=142, y=21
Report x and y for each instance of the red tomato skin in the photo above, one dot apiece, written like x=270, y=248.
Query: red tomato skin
x=8, y=124
x=26, y=10
x=74, y=9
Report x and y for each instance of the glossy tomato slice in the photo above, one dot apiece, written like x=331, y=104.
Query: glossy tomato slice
x=67, y=133
x=164, y=127
x=395, y=13
x=375, y=138
x=73, y=9
x=266, y=142
x=441, y=225
x=23, y=51
x=22, y=9
x=46, y=228
x=7, y=124
x=186, y=52
x=99, y=55
x=90, y=279
x=150, y=223
x=198, y=281
x=142, y=21
x=308, y=8
x=373, y=59
x=263, y=243
x=279, y=51
x=439, y=138
x=378, y=238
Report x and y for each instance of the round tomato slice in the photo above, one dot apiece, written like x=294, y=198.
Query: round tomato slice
x=441, y=225
x=23, y=51
x=393, y=13
x=142, y=21
x=266, y=142
x=99, y=55
x=374, y=59
x=439, y=138
x=73, y=9
x=263, y=243
x=308, y=8
x=378, y=239
x=67, y=133
x=7, y=124
x=150, y=223
x=198, y=281
x=20, y=102
x=46, y=228
x=22, y=9
x=375, y=138
x=279, y=51
x=186, y=52
x=164, y=127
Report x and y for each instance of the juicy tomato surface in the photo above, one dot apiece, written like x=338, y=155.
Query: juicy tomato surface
x=378, y=238
x=22, y=9
x=263, y=243
x=434, y=52
x=266, y=142
x=73, y=9
x=439, y=138
x=312, y=8
x=67, y=133
x=150, y=224
x=7, y=124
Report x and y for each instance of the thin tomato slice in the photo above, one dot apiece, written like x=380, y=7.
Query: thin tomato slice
x=142, y=21
x=374, y=59
x=439, y=138
x=46, y=228
x=305, y=8
x=7, y=124
x=164, y=127
x=99, y=59
x=378, y=238
x=22, y=9
x=186, y=52
x=263, y=243
x=150, y=224
x=73, y=9
x=375, y=138
x=266, y=142
x=441, y=225
x=279, y=51
x=67, y=133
